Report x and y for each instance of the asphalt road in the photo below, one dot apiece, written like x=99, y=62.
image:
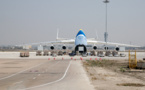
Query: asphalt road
x=49, y=75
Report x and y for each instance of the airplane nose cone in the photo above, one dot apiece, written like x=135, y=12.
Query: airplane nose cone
x=81, y=32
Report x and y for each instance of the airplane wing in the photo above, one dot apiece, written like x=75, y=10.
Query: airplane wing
x=110, y=43
x=69, y=41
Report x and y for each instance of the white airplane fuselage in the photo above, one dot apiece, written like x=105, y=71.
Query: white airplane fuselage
x=81, y=42
x=81, y=38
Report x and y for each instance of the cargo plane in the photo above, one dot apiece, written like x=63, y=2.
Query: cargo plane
x=81, y=42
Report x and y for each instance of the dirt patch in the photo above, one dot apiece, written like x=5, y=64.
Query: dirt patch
x=131, y=84
x=103, y=63
x=114, y=75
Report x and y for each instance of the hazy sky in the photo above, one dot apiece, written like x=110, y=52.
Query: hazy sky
x=29, y=21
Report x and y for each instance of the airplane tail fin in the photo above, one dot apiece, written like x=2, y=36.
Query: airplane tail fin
x=57, y=38
x=96, y=36
x=57, y=34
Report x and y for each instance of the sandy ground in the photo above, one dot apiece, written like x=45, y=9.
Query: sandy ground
x=104, y=78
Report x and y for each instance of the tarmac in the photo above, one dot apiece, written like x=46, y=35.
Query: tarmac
x=42, y=73
x=46, y=72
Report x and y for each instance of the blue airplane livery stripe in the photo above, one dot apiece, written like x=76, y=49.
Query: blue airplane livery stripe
x=81, y=32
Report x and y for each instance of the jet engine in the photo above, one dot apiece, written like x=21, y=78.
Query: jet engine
x=63, y=47
x=117, y=48
x=52, y=47
x=94, y=47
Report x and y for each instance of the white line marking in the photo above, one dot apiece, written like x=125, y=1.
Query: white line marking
x=18, y=82
x=49, y=67
x=51, y=82
x=22, y=71
x=34, y=78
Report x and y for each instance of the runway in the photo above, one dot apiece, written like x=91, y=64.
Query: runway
x=47, y=72
x=48, y=75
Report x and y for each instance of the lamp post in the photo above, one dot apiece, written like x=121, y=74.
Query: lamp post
x=106, y=33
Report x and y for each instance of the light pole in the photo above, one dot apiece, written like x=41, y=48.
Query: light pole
x=106, y=33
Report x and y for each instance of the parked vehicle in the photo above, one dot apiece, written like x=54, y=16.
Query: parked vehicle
x=24, y=54
x=115, y=53
x=72, y=53
x=54, y=54
x=84, y=55
x=60, y=53
x=93, y=53
x=38, y=53
x=122, y=55
x=45, y=53
x=110, y=55
x=100, y=54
